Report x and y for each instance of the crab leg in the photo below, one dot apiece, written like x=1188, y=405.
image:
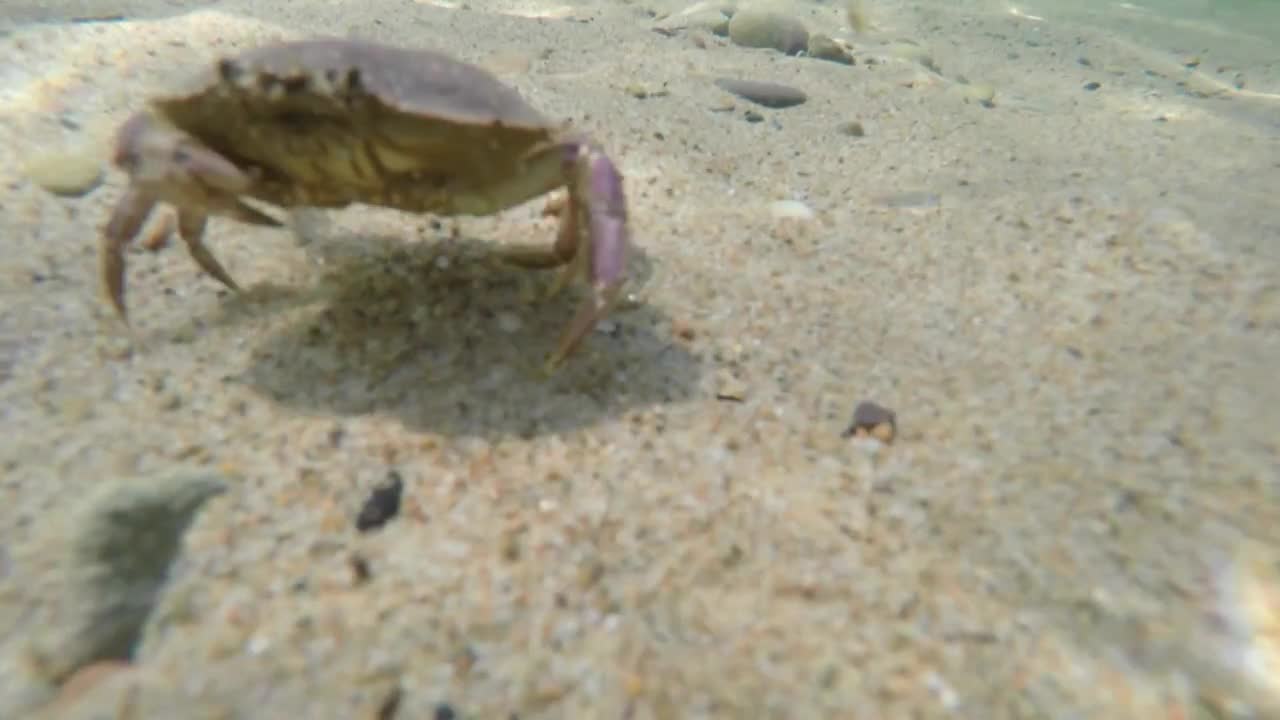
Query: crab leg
x=191, y=226
x=594, y=210
x=165, y=165
x=597, y=208
x=566, y=245
x=126, y=222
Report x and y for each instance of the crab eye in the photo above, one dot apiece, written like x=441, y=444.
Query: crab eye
x=352, y=80
x=228, y=70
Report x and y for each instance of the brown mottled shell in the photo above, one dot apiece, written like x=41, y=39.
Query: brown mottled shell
x=333, y=121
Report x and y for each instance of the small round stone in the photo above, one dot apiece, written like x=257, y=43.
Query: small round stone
x=768, y=29
x=69, y=173
x=768, y=94
x=790, y=210
x=823, y=47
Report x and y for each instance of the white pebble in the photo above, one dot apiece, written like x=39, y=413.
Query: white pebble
x=790, y=209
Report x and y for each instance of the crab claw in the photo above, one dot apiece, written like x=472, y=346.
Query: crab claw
x=172, y=163
x=597, y=208
x=167, y=166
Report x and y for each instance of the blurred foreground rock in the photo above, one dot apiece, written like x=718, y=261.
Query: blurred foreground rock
x=121, y=543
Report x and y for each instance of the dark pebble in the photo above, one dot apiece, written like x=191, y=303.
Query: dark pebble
x=872, y=419
x=382, y=505
x=444, y=711
x=1091, y=86
x=768, y=94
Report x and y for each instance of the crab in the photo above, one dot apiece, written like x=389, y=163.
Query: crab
x=328, y=123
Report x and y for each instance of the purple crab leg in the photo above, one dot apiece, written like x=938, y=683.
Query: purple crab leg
x=599, y=209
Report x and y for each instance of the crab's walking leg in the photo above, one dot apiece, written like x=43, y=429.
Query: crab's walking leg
x=597, y=208
x=191, y=226
x=539, y=256
x=126, y=222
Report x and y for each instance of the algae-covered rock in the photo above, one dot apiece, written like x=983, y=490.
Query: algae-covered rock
x=121, y=543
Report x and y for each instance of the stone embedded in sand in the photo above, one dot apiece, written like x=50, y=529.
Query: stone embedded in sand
x=870, y=419
x=382, y=505
x=710, y=18
x=982, y=93
x=790, y=210
x=769, y=29
x=124, y=538
x=730, y=387
x=823, y=47
x=69, y=173
x=852, y=128
x=768, y=94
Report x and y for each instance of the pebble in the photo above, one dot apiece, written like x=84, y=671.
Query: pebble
x=67, y=173
x=873, y=420
x=729, y=387
x=382, y=505
x=768, y=94
x=981, y=93
x=790, y=210
x=769, y=29
x=852, y=128
x=125, y=537
x=823, y=47
x=709, y=18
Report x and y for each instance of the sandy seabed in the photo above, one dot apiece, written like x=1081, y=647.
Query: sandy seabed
x=1068, y=296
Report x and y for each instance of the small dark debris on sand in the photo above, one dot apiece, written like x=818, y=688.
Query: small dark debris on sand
x=872, y=420
x=383, y=504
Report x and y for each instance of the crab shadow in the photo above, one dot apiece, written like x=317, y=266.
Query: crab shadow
x=448, y=338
